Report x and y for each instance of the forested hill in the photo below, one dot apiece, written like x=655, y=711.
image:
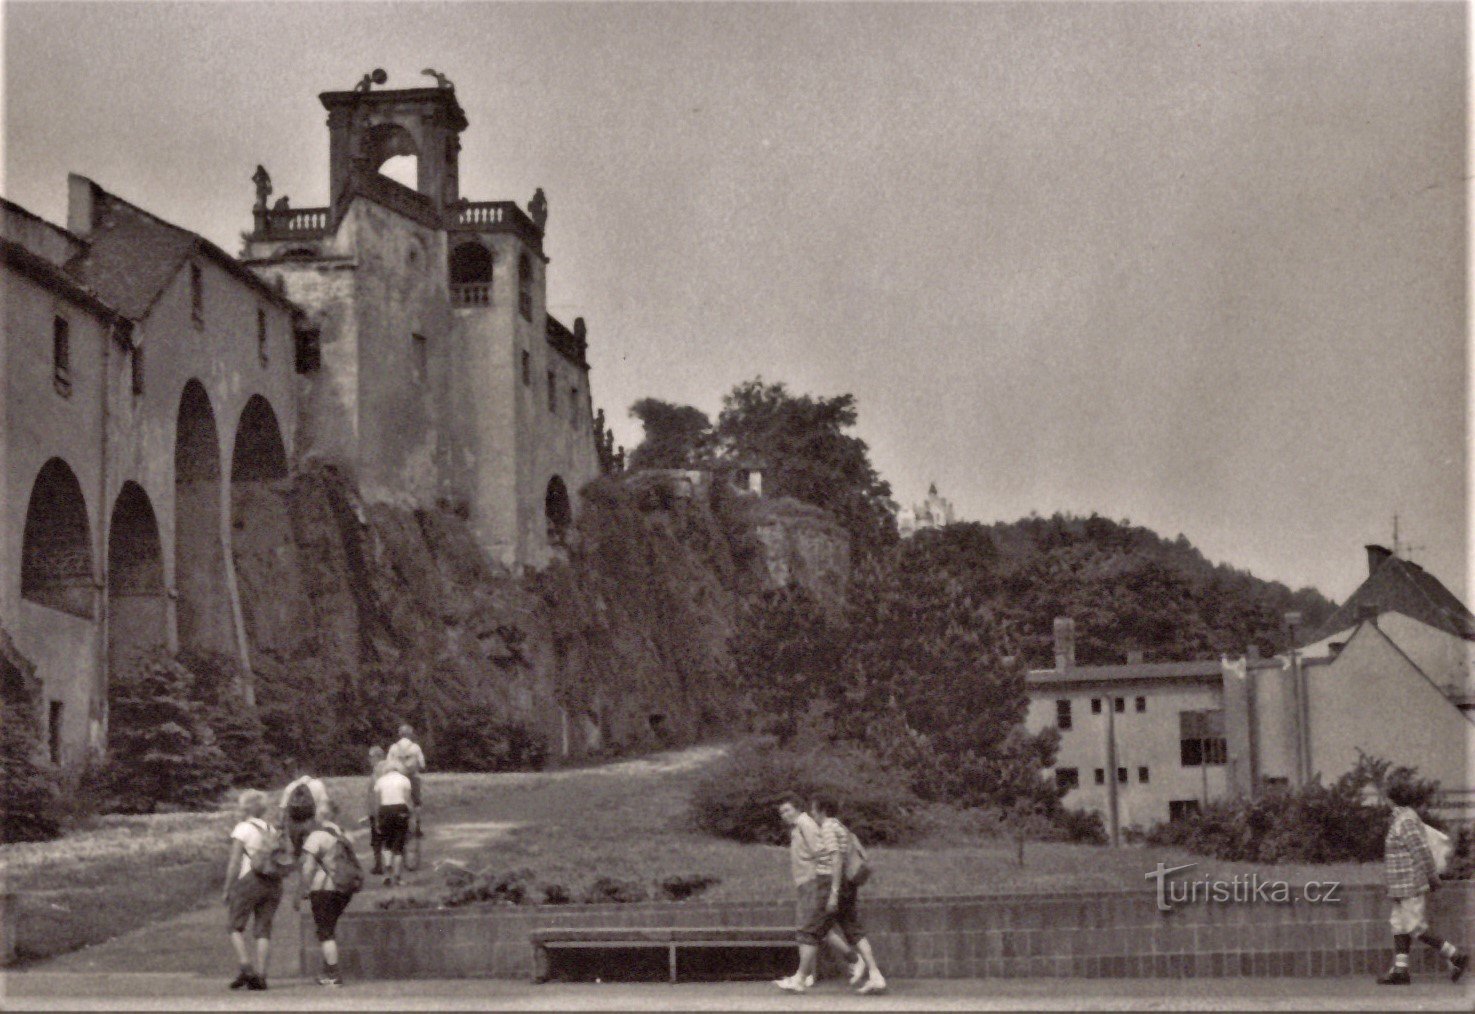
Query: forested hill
x=1127, y=588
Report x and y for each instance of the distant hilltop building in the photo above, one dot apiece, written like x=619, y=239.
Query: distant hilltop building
x=933, y=512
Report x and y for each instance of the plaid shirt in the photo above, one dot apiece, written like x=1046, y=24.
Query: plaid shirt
x=1406, y=857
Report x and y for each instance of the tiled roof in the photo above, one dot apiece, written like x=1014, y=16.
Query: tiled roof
x=1205, y=669
x=39, y=269
x=1401, y=586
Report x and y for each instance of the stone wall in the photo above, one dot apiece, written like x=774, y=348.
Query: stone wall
x=1095, y=934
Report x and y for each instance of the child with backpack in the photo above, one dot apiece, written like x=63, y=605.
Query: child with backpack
x=299, y=807
x=1412, y=872
x=260, y=859
x=331, y=876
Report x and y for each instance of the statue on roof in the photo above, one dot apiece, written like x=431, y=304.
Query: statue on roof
x=375, y=76
x=538, y=208
x=441, y=81
x=262, y=179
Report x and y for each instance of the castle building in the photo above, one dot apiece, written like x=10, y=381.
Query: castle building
x=934, y=512
x=437, y=373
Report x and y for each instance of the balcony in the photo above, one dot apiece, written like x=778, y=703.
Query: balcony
x=496, y=216
x=474, y=294
x=292, y=223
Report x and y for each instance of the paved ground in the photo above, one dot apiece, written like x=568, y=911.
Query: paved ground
x=40, y=990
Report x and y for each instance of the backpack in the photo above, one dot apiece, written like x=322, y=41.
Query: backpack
x=857, y=866
x=1439, y=847
x=300, y=804
x=345, y=873
x=275, y=861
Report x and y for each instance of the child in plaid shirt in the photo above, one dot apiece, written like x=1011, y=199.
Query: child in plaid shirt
x=1409, y=866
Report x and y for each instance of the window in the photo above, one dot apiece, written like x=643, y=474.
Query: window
x=1121, y=775
x=1121, y=704
x=1067, y=779
x=136, y=365
x=61, y=355
x=1142, y=775
x=53, y=731
x=1100, y=776
x=1201, y=738
x=421, y=353
x=525, y=287
x=196, y=294
x=1062, y=714
x=309, y=349
x=261, y=352
x=527, y=368
x=552, y=392
x=1141, y=704
x=1182, y=809
x=1095, y=705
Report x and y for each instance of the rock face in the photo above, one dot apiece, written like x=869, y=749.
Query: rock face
x=361, y=616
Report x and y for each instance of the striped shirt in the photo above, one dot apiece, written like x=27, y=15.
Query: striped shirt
x=834, y=843
x=1407, y=861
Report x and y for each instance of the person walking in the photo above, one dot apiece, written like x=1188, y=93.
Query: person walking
x=249, y=896
x=411, y=759
x=377, y=766
x=299, y=805
x=392, y=793
x=1409, y=867
x=838, y=846
x=804, y=847
x=331, y=875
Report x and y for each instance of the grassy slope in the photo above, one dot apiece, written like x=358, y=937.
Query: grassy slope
x=625, y=820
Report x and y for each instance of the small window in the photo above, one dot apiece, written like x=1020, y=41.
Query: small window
x=136, y=363
x=261, y=350
x=53, y=731
x=1141, y=704
x=1062, y=714
x=1142, y=775
x=61, y=355
x=309, y=350
x=1121, y=775
x=1095, y=705
x=196, y=294
x=1067, y=779
x=573, y=405
x=1182, y=809
x=552, y=392
x=1121, y=704
x=1100, y=776
x=527, y=368
x=420, y=349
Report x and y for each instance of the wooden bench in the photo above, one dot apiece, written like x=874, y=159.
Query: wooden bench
x=673, y=939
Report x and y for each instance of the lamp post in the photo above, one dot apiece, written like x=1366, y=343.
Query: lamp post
x=1298, y=699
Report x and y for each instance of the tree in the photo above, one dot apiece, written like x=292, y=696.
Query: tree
x=676, y=436
x=801, y=444
x=789, y=654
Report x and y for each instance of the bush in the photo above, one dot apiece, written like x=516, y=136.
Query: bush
x=681, y=888
x=30, y=803
x=739, y=797
x=480, y=739
x=237, y=728
x=162, y=750
x=1081, y=826
x=608, y=889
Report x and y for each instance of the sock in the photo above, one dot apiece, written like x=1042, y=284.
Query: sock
x=1401, y=944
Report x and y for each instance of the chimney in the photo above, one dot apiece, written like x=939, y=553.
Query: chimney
x=1375, y=557
x=1065, y=642
x=83, y=205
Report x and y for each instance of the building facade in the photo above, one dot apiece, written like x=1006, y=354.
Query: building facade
x=933, y=512
x=438, y=374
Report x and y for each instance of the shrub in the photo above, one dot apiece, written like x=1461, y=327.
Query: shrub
x=30, y=807
x=1081, y=826
x=237, y=728
x=681, y=888
x=739, y=797
x=609, y=889
x=478, y=738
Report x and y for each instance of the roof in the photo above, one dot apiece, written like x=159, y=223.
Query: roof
x=42, y=271
x=132, y=256
x=1199, y=670
x=567, y=343
x=1402, y=586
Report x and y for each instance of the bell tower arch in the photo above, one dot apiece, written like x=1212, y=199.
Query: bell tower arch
x=366, y=128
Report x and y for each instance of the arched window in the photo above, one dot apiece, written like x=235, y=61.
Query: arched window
x=525, y=287
x=471, y=275
x=559, y=511
x=56, y=548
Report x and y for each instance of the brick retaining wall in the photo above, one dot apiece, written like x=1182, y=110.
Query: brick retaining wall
x=1096, y=934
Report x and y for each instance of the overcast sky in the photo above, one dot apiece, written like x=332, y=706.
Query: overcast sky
x=1199, y=266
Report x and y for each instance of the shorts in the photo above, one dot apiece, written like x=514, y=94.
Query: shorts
x=816, y=922
x=254, y=898
x=376, y=836
x=394, y=825
x=327, y=906
x=1408, y=915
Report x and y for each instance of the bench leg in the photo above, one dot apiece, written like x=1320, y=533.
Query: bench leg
x=673, y=964
x=540, y=964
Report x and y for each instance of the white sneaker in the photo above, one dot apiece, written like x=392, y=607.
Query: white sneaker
x=790, y=984
x=809, y=980
x=875, y=984
x=857, y=971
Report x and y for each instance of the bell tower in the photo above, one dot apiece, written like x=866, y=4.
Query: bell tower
x=366, y=128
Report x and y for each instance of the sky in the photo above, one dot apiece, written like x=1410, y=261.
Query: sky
x=1197, y=266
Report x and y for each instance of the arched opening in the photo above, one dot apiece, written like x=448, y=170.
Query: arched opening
x=138, y=602
x=525, y=286
x=204, y=612
x=266, y=582
x=56, y=549
x=390, y=150
x=558, y=510
x=471, y=275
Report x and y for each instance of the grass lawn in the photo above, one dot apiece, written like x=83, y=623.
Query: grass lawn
x=626, y=820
